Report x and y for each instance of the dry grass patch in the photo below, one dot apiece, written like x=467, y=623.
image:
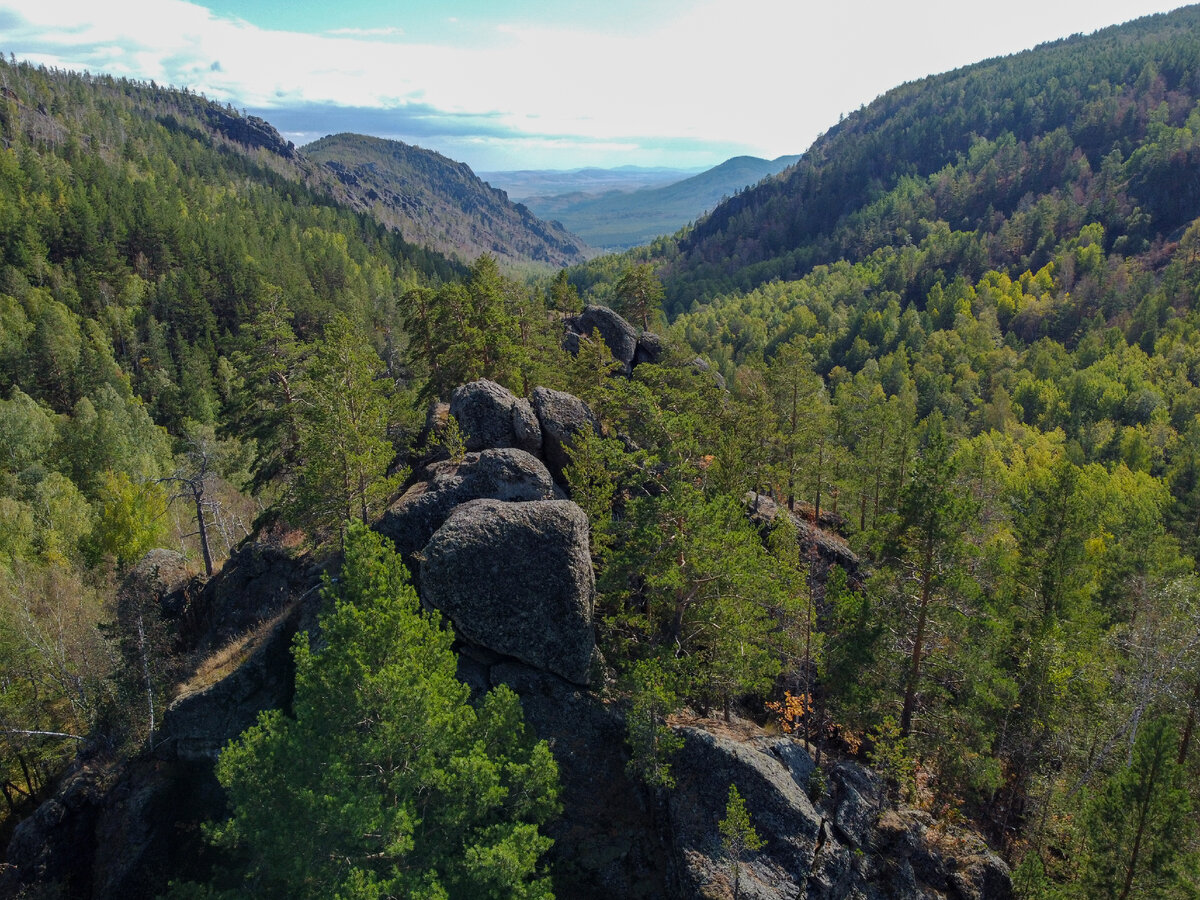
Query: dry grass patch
x=225, y=660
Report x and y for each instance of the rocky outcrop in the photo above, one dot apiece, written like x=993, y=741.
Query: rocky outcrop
x=484, y=411
x=122, y=832
x=491, y=417
x=701, y=366
x=160, y=573
x=250, y=131
x=256, y=583
x=563, y=417
x=214, y=709
x=250, y=612
x=517, y=579
x=816, y=545
x=649, y=348
x=613, y=838
x=619, y=336
x=844, y=845
x=110, y=833
x=506, y=474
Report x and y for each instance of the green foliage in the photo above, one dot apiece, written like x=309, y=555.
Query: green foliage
x=471, y=329
x=1138, y=826
x=889, y=756
x=130, y=519
x=596, y=465
x=343, y=441
x=738, y=837
x=651, y=740
x=452, y=441
x=387, y=781
x=696, y=577
x=639, y=294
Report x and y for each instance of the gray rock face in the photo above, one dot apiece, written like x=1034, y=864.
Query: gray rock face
x=198, y=724
x=508, y=474
x=253, y=586
x=701, y=367
x=843, y=846
x=517, y=579
x=649, y=348
x=562, y=417
x=620, y=337
x=782, y=815
x=609, y=844
x=484, y=411
x=526, y=429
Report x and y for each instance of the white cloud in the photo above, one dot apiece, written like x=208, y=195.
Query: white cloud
x=366, y=32
x=765, y=75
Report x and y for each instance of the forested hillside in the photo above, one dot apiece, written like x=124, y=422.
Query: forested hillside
x=1020, y=151
x=963, y=328
x=438, y=203
x=158, y=279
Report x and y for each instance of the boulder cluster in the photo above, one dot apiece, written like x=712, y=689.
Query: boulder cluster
x=491, y=539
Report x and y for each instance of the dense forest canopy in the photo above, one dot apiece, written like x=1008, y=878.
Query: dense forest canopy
x=953, y=355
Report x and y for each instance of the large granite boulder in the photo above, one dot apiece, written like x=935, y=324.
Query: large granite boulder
x=562, y=417
x=845, y=844
x=527, y=430
x=517, y=579
x=507, y=474
x=484, y=412
x=620, y=337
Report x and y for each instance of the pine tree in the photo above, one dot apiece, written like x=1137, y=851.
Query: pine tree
x=1138, y=826
x=387, y=782
x=738, y=837
x=344, y=446
x=931, y=514
x=639, y=294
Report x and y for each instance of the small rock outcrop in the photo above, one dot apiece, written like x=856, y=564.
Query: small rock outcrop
x=506, y=474
x=649, y=348
x=213, y=710
x=610, y=842
x=562, y=417
x=256, y=583
x=250, y=131
x=517, y=579
x=620, y=337
x=484, y=411
x=815, y=544
x=843, y=845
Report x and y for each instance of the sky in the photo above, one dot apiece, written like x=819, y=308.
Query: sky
x=547, y=84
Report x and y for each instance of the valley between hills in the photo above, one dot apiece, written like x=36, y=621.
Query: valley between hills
x=822, y=527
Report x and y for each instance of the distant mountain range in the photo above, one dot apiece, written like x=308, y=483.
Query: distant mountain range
x=609, y=214
x=439, y=203
x=526, y=183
